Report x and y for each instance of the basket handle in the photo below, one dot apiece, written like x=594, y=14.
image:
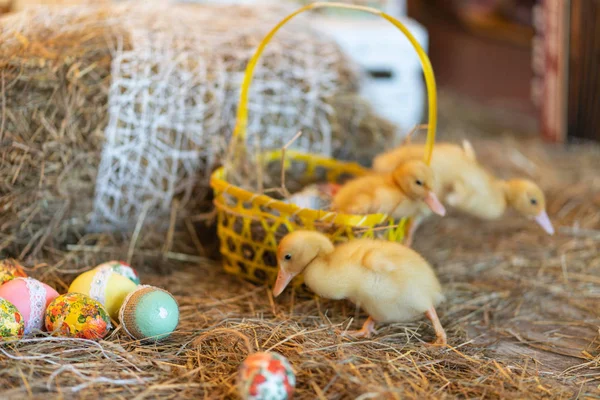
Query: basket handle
x=239, y=133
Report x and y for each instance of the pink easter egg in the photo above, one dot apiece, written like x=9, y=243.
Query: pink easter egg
x=31, y=297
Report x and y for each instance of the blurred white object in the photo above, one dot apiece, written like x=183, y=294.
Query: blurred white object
x=393, y=81
x=222, y=2
x=396, y=8
x=316, y=196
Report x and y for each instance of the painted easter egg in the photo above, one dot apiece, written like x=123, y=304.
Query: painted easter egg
x=149, y=313
x=10, y=269
x=266, y=376
x=121, y=268
x=12, y=325
x=77, y=315
x=106, y=286
x=31, y=297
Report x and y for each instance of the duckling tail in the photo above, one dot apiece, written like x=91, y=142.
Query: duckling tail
x=469, y=151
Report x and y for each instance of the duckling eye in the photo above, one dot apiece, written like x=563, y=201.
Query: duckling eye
x=419, y=182
x=287, y=257
x=533, y=202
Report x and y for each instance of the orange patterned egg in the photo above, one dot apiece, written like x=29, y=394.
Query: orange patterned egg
x=10, y=269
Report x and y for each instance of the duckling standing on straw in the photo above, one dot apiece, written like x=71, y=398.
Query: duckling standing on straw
x=464, y=184
x=400, y=193
x=391, y=282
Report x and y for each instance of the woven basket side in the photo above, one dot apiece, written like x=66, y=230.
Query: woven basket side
x=251, y=225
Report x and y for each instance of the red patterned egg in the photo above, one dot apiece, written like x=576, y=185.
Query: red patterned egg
x=121, y=268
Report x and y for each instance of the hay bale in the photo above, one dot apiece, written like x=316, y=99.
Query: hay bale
x=54, y=77
x=75, y=107
x=19, y=5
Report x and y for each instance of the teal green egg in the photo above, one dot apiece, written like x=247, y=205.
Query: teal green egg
x=149, y=313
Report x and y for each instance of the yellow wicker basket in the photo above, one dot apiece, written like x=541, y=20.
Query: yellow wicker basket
x=251, y=224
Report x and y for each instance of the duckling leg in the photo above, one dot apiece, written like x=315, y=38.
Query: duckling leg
x=367, y=329
x=412, y=228
x=437, y=326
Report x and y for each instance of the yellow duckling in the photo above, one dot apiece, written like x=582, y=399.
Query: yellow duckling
x=464, y=184
x=399, y=193
x=391, y=282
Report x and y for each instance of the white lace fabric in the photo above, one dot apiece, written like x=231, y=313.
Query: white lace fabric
x=37, y=304
x=99, y=283
x=174, y=94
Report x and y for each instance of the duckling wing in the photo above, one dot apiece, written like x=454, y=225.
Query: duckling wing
x=397, y=284
x=352, y=197
x=381, y=260
x=365, y=195
x=394, y=259
x=459, y=194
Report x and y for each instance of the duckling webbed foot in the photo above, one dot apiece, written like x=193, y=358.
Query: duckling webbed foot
x=367, y=329
x=440, y=334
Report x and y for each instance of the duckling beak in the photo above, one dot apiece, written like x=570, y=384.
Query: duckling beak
x=434, y=204
x=283, y=279
x=543, y=220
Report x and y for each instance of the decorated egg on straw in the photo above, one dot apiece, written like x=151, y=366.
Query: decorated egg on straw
x=10, y=269
x=266, y=376
x=105, y=286
x=149, y=313
x=31, y=297
x=121, y=268
x=12, y=325
x=77, y=315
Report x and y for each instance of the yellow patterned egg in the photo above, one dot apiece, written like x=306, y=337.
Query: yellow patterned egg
x=105, y=286
x=12, y=324
x=10, y=269
x=78, y=316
